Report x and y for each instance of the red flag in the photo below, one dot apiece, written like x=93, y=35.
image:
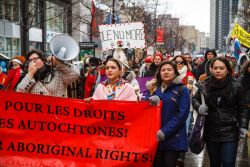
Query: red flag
x=159, y=35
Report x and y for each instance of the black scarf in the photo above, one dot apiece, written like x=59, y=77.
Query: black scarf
x=215, y=84
x=43, y=73
x=220, y=91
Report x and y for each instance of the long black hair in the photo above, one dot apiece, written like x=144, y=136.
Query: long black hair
x=225, y=61
x=158, y=73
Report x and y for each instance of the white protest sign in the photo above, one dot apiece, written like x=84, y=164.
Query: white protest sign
x=125, y=35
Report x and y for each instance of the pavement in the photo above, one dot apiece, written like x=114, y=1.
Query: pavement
x=201, y=160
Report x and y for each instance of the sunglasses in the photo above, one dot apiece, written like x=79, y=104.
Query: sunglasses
x=179, y=62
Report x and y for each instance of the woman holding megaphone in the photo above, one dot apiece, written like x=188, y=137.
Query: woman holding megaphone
x=47, y=76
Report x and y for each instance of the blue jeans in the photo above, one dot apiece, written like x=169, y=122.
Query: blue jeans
x=222, y=154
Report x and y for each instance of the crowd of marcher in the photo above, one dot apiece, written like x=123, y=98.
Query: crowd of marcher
x=177, y=82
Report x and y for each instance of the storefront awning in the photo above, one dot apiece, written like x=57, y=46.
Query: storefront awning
x=4, y=56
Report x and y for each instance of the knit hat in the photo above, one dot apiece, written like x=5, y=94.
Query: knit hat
x=160, y=55
x=148, y=59
x=19, y=59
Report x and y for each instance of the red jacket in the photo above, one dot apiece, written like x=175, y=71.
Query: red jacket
x=90, y=82
x=186, y=78
x=12, y=79
x=2, y=78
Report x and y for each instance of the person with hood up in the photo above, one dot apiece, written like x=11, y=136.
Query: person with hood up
x=16, y=71
x=208, y=71
x=209, y=54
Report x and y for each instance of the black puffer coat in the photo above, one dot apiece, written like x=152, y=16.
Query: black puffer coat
x=221, y=123
x=244, y=89
x=151, y=71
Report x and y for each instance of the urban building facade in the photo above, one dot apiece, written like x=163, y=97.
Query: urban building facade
x=192, y=39
x=26, y=25
x=222, y=13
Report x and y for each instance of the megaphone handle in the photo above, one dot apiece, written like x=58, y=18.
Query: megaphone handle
x=52, y=61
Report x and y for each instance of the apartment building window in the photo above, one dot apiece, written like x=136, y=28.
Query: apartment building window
x=9, y=10
x=2, y=43
x=55, y=17
x=34, y=11
x=9, y=46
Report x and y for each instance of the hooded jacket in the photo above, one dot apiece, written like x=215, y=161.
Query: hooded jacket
x=201, y=69
x=244, y=89
x=175, y=110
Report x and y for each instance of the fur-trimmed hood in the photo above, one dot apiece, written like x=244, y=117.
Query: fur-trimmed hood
x=151, y=85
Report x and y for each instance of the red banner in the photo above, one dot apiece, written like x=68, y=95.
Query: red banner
x=159, y=35
x=50, y=131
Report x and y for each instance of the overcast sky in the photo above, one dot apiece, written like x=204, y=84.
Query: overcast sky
x=190, y=12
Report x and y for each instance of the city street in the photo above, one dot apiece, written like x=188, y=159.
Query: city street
x=202, y=160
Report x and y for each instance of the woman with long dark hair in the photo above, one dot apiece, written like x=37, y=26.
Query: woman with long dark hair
x=221, y=128
x=175, y=99
x=114, y=87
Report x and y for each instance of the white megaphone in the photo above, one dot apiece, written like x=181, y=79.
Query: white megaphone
x=64, y=47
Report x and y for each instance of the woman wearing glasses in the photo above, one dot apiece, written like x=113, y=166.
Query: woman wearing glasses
x=16, y=70
x=187, y=79
x=47, y=79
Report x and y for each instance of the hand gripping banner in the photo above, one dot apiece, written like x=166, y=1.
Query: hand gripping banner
x=50, y=131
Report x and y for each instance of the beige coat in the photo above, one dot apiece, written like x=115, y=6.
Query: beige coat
x=65, y=74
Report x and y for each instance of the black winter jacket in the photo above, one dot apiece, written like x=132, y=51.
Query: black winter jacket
x=244, y=89
x=221, y=123
x=151, y=71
